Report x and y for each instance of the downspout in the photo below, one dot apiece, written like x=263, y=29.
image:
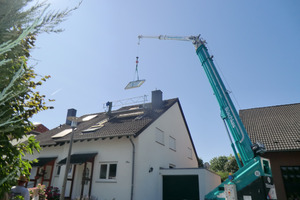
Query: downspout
x=132, y=169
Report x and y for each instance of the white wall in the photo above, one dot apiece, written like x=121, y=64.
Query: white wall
x=119, y=150
x=149, y=153
x=53, y=151
x=109, y=150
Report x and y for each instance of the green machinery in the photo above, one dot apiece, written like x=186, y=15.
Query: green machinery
x=253, y=180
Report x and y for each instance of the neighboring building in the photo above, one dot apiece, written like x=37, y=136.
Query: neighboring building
x=39, y=129
x=135, y=152
x=278, y=128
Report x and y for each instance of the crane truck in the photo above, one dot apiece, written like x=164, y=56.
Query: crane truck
x=253, y=180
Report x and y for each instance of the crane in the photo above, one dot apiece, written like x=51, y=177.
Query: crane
x=254, y=177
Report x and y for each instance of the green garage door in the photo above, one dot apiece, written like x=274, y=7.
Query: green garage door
x=183, y=187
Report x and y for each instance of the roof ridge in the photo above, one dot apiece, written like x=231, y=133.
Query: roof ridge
x=283, y=105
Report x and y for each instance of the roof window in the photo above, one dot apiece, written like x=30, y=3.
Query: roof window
x=89, y=117
x=62, y=133
x=134, y=108
x=96, y=126
x=130, y=114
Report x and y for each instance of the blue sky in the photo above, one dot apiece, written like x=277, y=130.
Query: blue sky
x=256, y=47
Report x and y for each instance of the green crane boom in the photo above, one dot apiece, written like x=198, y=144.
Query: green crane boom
x=254, y=178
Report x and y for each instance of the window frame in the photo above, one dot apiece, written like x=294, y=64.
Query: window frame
x=290, y=176
x=57, y=170
x=172, y=143
x=108, y=171
x=190, y=153
x=159, y=136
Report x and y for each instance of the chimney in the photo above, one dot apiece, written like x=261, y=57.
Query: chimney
x=71, y=113
x=157, y=101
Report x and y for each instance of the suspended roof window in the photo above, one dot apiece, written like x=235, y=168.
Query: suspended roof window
x=89, y=117
x=134, y=84
x=96, y=126
x=62, y=133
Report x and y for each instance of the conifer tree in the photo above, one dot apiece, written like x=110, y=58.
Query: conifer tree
x=21, y=21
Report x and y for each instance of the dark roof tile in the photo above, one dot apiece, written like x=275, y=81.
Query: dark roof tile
x=122, y=122
x=277, y=127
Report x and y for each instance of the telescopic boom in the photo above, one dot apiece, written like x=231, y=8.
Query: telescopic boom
x=228, y=112
x=254, y=178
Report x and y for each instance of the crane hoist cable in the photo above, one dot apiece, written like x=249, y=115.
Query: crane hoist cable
x=136, y=67
x=135, y=83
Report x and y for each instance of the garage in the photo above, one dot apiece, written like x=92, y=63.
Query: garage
x=178, y=187
x=187, y=183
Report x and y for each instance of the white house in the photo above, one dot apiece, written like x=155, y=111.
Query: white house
x=132, y=153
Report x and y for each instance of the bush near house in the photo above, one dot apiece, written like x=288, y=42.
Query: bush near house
x=52, y=193
x=39, y=190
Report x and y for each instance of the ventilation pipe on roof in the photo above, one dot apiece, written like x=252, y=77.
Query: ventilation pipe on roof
x=71, y=113
x=157, y=101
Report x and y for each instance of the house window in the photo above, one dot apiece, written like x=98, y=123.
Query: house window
x=159, y=136
x=190, y=153
x=172, y=143
x=291, y=180
x=108, y=171
x=70, y=172
x=58, y=167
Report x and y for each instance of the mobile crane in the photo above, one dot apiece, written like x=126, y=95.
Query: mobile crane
x=253, y=180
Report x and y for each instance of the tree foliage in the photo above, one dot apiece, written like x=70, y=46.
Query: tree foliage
x=20, y=22
x=223, y=165
x=200, y=162
x=231, y=165
x=218, y=163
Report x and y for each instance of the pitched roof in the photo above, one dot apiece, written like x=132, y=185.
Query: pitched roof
x=126, y=121
x=277, y=127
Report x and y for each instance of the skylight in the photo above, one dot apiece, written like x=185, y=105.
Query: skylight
x=134, y=108
x=96, y=126
x=89, y=117
x=62, y=133
x=131, y=114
